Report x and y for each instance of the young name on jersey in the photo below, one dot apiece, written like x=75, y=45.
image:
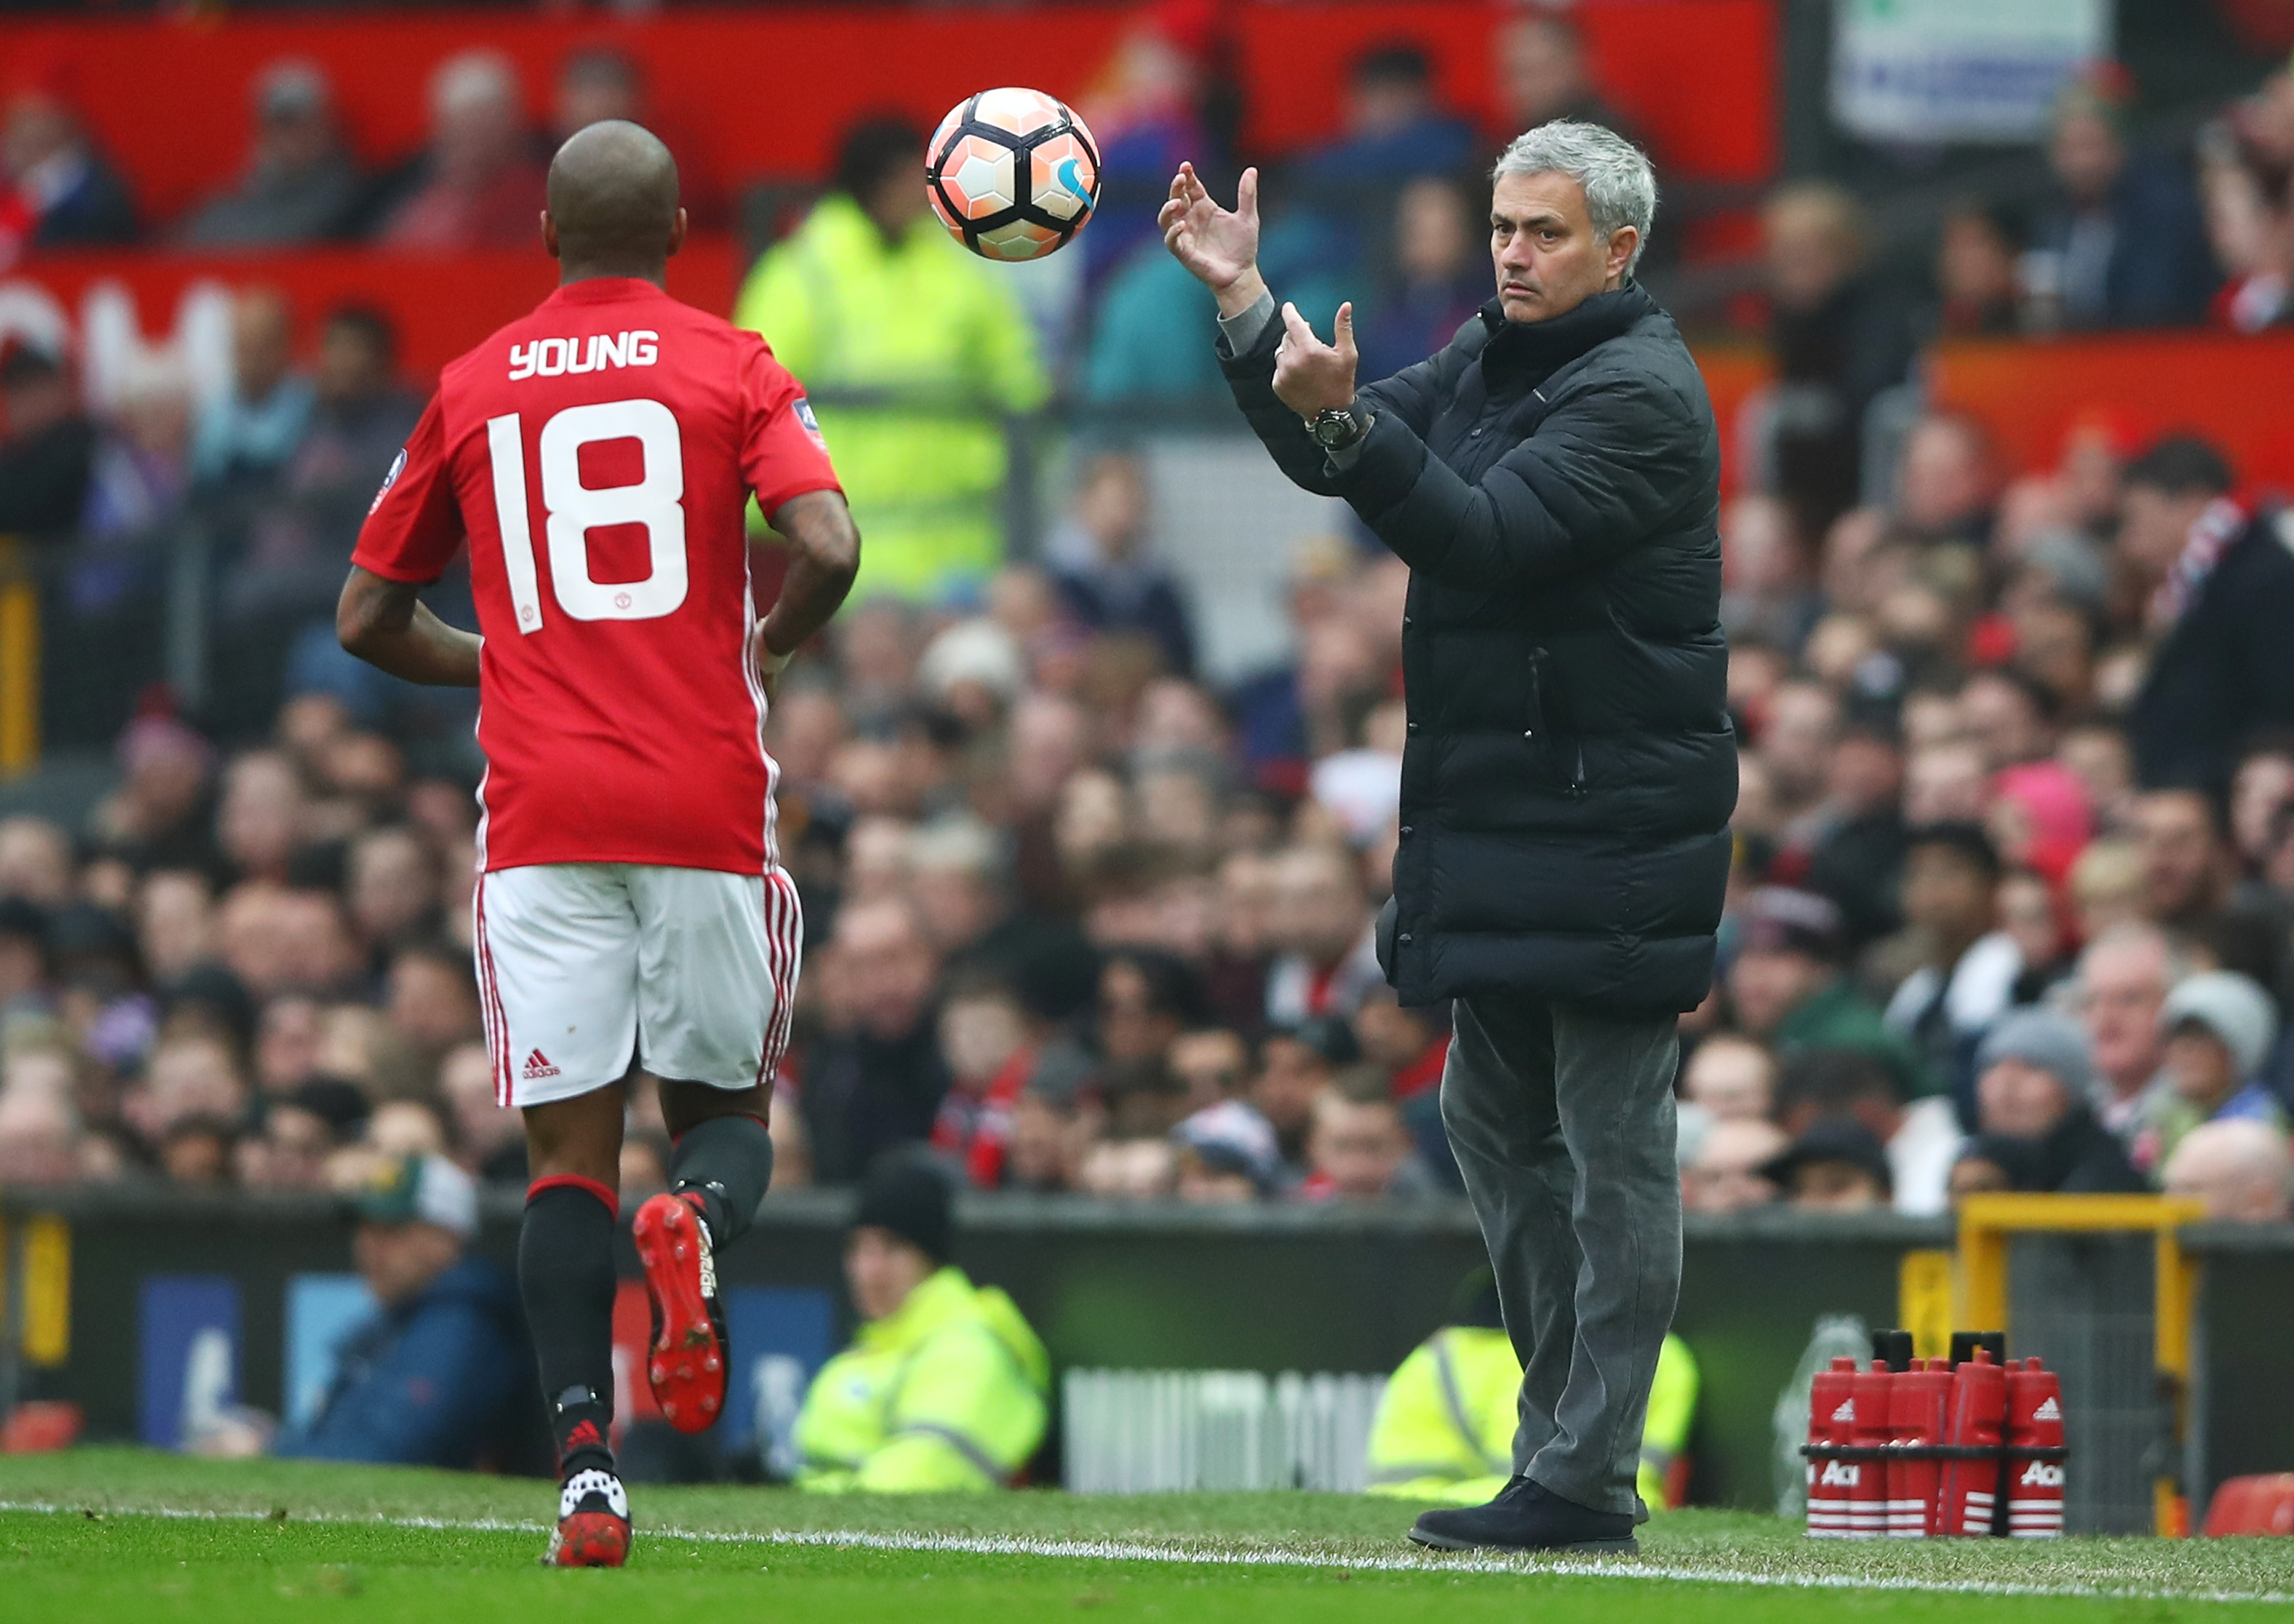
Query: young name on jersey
x=549, y=357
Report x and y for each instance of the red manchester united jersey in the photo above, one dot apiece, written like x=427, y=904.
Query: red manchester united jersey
x=599, y=454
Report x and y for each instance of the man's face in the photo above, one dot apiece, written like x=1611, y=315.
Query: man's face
x=2120, y=989
x=2181, y=861
x=2086, y=156
x=398, y=1260
x=882, y=1269
x=1947, y=895
x=2154, y=526
x=2021, y=1100
x=1319, y=903
x=1359, y=1148
x=1550, y=259
x=1290, y=1075
x=1726, y=1177
x=1767, y=984
x=1731, y=1079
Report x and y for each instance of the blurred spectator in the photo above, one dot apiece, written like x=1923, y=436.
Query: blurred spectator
x=913, y=316
x=2123, y=244
x=1105, y=579
x=2124, y=976
x=594, y=85
x=2186, y=861
x=1838, y=337
x=1357, y=1149
x=1731, y=1078
x=141, y=473
x=1226, y=1153
x=1789, y=990
x=1440, y=278
x=2221, y=584
x=986, y=1044
x=2242, y=1170
x=60, y=192
x=1323, y=923
x=875, y=1078
x=1543, y=75
x=250, y=434
x=482, y=187
x=2219, y=1028
x=2034, y=1121
x=1393, y=128
x=944, y=1387
x=1920, y=1137
x=1728, y=1172
x=1944, y=482
x=1296, y=1064
x=434, y=1377
x=300, y=184
x=360, y=418
x=1975, y=274
x=1836, y=1165
x=47, y=444
x=1968, y=967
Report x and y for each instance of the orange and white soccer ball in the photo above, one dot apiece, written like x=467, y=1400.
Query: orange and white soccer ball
x=1012, y=174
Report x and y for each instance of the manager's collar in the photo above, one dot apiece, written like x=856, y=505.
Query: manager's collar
x=1541, y=346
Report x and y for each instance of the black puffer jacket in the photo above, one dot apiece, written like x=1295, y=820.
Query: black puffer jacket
x=1570, y=772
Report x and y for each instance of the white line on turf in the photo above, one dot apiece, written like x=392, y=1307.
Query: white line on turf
x=1266, y=1557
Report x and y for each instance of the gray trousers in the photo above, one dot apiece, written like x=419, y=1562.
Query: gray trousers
x=1562, y=1121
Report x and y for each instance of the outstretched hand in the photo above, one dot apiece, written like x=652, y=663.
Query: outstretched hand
x=1219, y=247
x=1309, y=374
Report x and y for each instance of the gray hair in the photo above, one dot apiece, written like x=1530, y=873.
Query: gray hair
x=1620, y=187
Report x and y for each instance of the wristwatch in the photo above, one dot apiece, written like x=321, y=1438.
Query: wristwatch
x=1336, y=427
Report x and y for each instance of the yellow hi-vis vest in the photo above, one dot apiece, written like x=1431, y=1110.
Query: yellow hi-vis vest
x=1444, y=1429
x=947, y=1392
x=944, y=342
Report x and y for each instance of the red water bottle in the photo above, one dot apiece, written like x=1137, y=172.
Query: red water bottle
x=1917, y=1404
x=1831, y=1422
x=1866, y=1480
x=1969, y=1495
x=2034, y=1484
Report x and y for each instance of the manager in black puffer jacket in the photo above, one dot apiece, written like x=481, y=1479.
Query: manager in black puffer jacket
x=1552, y=479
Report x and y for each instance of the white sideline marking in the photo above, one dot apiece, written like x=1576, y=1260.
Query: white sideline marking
x=1119, y=1550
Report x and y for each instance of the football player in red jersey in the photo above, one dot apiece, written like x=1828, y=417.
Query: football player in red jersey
x=599, y=454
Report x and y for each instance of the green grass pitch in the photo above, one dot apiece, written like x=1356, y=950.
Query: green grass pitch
x=100, y=1534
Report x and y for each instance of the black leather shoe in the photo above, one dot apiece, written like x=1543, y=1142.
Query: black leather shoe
x=1528, y=1516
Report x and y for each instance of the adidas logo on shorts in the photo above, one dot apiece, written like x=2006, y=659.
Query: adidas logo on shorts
x=538, y=1065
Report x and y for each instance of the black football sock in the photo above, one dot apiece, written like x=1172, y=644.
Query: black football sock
x=725, y=1163
x=565, y=1275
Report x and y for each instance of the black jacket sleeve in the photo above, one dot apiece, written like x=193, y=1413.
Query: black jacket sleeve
x=1407, y=397
x=1612, y=459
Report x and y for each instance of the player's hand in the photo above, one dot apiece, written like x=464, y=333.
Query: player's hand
x=1219, y=247
x=1309, y=374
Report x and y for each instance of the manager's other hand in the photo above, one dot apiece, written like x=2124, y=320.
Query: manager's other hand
x=1309, y=374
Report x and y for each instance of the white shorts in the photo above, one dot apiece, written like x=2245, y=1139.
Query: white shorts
x=585, y=967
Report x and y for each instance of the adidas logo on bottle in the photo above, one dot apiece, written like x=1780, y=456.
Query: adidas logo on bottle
x=1846, y=1412
x=2048, y=1410
x=538, y=1065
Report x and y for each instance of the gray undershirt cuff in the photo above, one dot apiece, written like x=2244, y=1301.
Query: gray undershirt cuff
x=1242, y=331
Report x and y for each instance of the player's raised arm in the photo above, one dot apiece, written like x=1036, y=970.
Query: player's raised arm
x=824, y=556
x=384, y=624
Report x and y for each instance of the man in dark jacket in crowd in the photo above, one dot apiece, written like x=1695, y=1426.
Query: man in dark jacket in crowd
x=438, y=1375
x=2222, y=597
x=1552, y=479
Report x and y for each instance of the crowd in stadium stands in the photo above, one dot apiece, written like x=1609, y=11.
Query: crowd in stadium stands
x=2013, y=905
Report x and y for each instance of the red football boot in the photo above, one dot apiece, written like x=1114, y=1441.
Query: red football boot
x=593, y=1523
x=686, y=1367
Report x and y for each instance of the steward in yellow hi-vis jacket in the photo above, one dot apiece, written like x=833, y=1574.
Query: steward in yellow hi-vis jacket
x=944, y=1385
x=1444, y=1429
